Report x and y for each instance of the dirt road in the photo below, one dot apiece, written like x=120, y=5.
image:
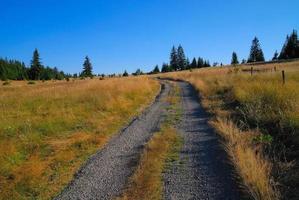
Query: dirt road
x=201, y=173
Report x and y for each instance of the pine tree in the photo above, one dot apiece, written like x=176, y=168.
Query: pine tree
x=87, y=68
x=235, y=60
x=174, y=59
x=181, y=58
x=125, y=73
x=156, y=70
x=290, y=48
x=166, y=68
x=256, y=53
x=200, y=63
x=275, y=56
x=193, y=63
x=36, y=66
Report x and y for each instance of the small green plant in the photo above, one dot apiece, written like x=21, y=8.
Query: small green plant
x=263, y=138
x=31, y=83
x=67, y=79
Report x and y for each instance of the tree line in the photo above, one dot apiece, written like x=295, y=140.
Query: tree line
x=16, y=70
x=290, y=50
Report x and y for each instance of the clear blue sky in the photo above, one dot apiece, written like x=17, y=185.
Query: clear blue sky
x=131, y=34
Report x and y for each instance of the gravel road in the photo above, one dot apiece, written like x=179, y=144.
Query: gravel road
x=202, y=172
x=106, y=173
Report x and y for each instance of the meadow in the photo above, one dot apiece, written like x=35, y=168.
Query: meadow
x=49, y=129
x=258, y=117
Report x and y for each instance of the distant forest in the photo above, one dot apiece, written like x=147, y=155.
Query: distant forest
x=16, y=70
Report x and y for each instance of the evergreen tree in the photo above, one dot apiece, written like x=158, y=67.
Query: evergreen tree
x=200, y=63
x=243, y=61
x=125, y=73
x=156, y=70
x=235, y=60
x=174, y=59
x=36, y=66
x=275, y=56
x=166, y=68
x=87, y=68
x=290, y=48
x=181, y=58
x=256, y=53
x=193, y=63
x=137, y=73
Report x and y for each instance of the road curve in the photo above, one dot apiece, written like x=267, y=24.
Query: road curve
x=106, y=174
x=202, y=172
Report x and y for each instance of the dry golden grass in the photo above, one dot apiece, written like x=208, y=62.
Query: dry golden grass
x=147, y=183
x=163, y=148
x=262, y=101
x=249, y=162
x=47, y=130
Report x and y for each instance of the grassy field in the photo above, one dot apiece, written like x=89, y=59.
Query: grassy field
x=258, y=118
x=160, y=151
x=48, y=129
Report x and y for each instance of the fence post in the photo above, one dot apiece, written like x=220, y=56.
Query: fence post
x=275, y=68
x=251, y=70
x=283, y=77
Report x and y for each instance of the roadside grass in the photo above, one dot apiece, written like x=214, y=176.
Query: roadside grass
x=159, y=152
x=47, y=130
x=266, y=115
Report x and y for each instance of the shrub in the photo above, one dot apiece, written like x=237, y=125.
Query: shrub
x=31, y=83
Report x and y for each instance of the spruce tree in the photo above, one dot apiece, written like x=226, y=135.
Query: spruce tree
x=36, y=66
x=156, y=70
x=290, y=48
x=193, y=63
x=200, y=62
x=234, y=60
x=181, y=58
x=87, y=68
x=125, y=74
x=174, y=59
x=256, y=53
x=166, y=68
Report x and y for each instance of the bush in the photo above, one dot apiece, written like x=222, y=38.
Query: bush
x=6, y=83
x=31, y=83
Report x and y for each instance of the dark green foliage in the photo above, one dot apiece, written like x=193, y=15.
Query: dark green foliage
x=12, y=70
x=166, y=68
x=243, y=61
x=193, y=64
x=125, y=73
x=235, y=60
x=256, y=52
x=290, y=48
x=156, y=70
x=138, y=72
x=174, y=59
x=36, y=67
x=87, y=68
x=200, y=63
x=181, y=59
x=16, y=70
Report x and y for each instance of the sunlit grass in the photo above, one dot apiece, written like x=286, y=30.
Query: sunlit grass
x=47, y=130
x=259, y=102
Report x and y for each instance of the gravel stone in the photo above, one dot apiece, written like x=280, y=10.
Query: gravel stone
x=106, y=173
x=202, y=171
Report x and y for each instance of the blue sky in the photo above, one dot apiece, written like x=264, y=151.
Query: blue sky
x=131, y=34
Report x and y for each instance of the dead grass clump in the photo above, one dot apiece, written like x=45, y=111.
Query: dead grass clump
x=146, y=183
x=248, y=159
